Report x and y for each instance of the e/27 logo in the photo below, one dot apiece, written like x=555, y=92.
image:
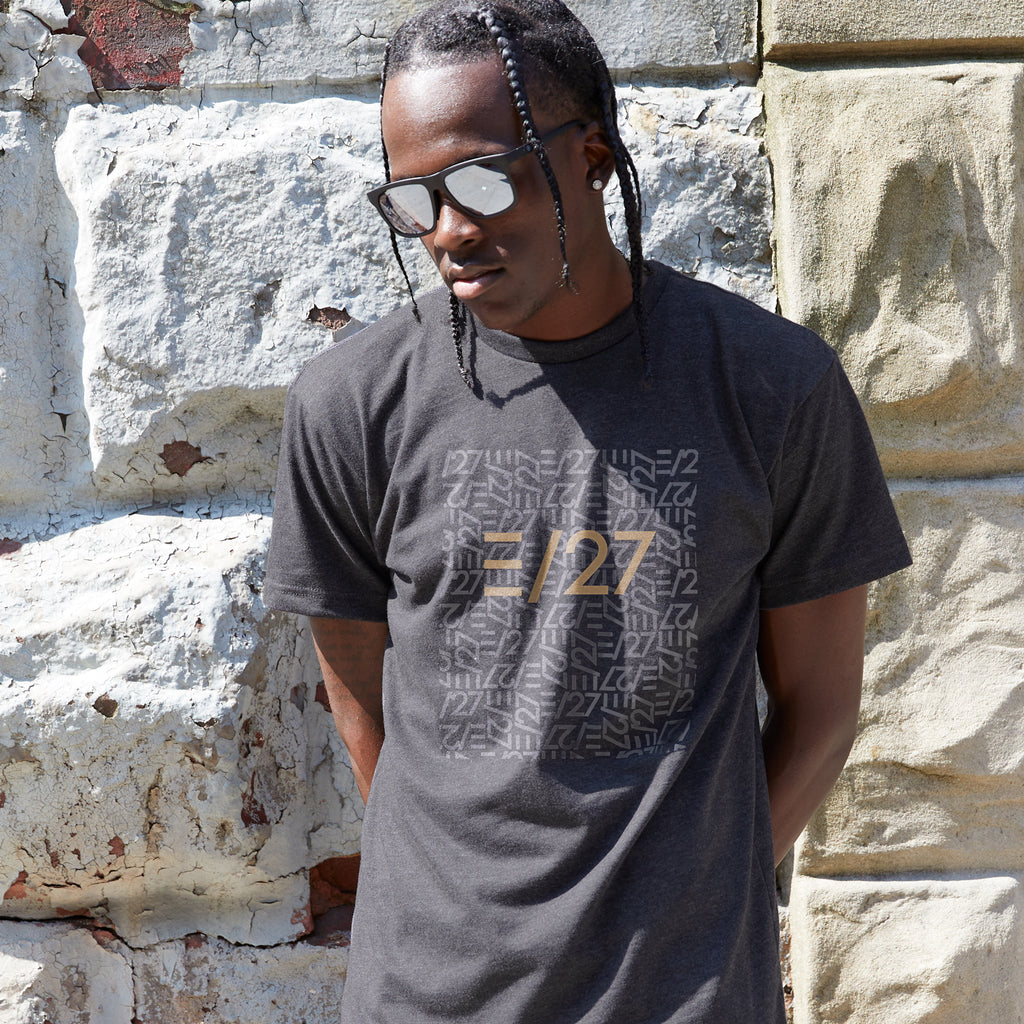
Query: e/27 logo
x=580, y=585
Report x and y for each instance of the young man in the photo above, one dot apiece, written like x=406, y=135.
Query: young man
x=547, y=522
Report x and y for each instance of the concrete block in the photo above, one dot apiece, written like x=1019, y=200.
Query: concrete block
x=154, y=766
x=706, y=182
x=809, y=28
x=198, y=979
x=342, y=41
x=209, y=233
x=60, y=974
x=935, y=781
x=42, y=426
x=899, y=236
x=941, y=951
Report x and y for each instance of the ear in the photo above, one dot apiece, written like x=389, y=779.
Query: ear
x=598, y=152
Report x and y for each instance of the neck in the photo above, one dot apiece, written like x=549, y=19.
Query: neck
x=601, y=289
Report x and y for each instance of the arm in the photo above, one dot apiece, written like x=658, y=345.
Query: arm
x=812, y=660
x=351, y=656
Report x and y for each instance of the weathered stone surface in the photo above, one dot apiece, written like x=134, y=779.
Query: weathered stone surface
x=908, y=951
x=154, y=761
x=42, y=429
x=326, y=41
x=935, y=781
x=209, y=233
x=809, y=28
x=706, y=182
x=36, y=63
x=61, y=975
x=899, y=237
x=210, y=981
x=24, y=373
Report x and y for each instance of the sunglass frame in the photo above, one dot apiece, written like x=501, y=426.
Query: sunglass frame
x=435, y=183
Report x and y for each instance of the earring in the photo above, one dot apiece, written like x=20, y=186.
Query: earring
x=597, y=184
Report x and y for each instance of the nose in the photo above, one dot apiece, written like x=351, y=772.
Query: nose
x=455, y=229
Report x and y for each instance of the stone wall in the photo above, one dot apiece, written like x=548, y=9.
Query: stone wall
x=183, y=226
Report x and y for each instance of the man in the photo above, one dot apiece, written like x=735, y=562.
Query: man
x=540, y=586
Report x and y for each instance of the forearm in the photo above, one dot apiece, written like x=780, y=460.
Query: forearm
x=363, y=736
x=351, y=655
x=802, y=761
x=812, y=660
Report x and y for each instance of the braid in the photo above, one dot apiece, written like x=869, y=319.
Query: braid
x=501, y=36
x=543, y=43
x=629, y=186
x=387, y=177
x=457, y=315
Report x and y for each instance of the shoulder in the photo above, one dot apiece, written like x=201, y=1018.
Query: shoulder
x=738, y=340
x=374, y=363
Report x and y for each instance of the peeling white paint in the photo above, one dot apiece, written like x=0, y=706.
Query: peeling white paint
x=35, y=63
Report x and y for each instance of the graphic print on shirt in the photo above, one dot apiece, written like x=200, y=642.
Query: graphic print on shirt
x=570, y=620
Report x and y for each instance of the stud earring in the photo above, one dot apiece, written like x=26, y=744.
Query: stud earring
x=597, y=184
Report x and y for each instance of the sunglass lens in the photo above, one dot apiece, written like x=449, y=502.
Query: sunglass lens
x=409, y=208
x=481, y=189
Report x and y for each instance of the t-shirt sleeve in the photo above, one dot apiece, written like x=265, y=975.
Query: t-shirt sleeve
x=833, y=522
x=323, y=559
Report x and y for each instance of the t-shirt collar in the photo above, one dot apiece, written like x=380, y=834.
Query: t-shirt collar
x=622, y=327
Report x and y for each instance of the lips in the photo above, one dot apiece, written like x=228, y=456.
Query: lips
x=468, y=283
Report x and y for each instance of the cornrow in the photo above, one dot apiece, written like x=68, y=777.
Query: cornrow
x=500, y=34
x=629, y=186
x=543, y=42
x=457, y=315
x=387, y=176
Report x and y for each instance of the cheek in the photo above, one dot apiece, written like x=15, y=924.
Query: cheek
x=428, y=244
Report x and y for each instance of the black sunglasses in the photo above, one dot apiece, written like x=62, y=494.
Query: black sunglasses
x=481, y=187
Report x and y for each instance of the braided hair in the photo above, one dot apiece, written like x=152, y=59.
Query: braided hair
x=542, y=43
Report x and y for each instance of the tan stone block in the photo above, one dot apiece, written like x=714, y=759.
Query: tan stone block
x=810, y=28
x=935, y=781
x=916, y=951
x=899, y=238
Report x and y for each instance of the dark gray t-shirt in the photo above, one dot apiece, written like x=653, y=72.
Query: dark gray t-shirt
x=569, y=820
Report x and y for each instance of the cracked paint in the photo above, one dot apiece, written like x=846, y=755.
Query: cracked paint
x=132, y=44
x=331, y=318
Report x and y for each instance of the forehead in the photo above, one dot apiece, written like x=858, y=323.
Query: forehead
x=435, y=116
